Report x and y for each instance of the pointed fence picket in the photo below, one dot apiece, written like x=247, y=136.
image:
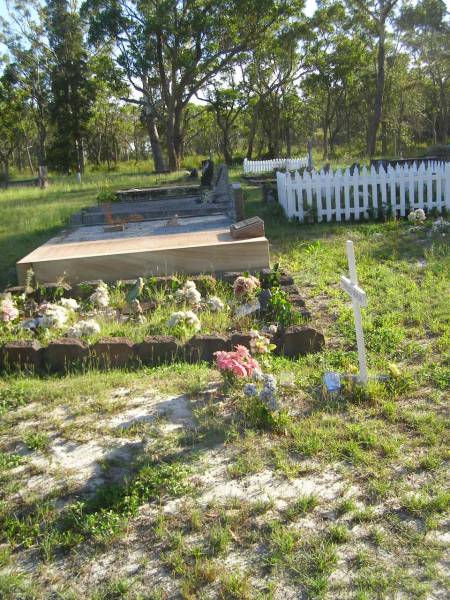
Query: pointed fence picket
x=347, y=196
x=263, y=166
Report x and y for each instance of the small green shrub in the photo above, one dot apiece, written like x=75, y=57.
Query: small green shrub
x=37, y=441
x=9, y=461
x=106, y=196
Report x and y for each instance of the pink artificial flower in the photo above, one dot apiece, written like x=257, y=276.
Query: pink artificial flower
x=8, y=310
x=239, y=362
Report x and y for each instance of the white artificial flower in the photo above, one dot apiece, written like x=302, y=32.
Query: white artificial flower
x=101, y=296
x=420, y=215
x=189, y=293
x=53, y=315
x=215, y=304
x=192, y=319
x=69, y=303
x=187, y=317
x=84, y=328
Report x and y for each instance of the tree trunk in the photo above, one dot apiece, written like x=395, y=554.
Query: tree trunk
x=378, y=102
x=251, y=136
x=80, y=154
x=175, y=136
x=288, y=141
x=325, y=141
x=153, y=134
x=384, y=144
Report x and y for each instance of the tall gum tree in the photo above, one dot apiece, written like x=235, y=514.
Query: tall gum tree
x=23, y=35
x=426, y=32
x=171, y=49
x=376, y=14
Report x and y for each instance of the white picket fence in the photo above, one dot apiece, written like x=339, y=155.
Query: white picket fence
x=262, y=166
x=345, y=196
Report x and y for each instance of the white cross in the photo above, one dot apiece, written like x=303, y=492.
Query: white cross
x=359, y=299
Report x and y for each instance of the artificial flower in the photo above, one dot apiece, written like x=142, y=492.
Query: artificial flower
x=8, y=310
x=101, y=296
x=84, y=328
x=215, y=304
x=69, y=303
x=260, y=344
x=239, y=362
x=187, y=317
x=189, y=293
x=53, y=315
x=246, y=286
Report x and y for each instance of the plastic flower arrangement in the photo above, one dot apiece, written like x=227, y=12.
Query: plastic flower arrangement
x=101, y=296
x=69, y=303
x=189, y=294
x=260, y=344
x=417, y=216
x=215, y=304
x=8, y=310
x=84, y=328
x=53, y=315
x=238, y=363
x=184, y=318
x=246, y=287
x=267, y=393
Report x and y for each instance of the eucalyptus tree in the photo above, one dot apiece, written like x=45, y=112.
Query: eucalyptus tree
x=270, y=76
x=72, y=84
x=13, y=115
x=227, y=101
x=426, y=32
x=374, y=16
x=23, y=34
x=171, y=49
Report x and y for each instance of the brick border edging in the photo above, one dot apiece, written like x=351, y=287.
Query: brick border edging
x=65, y=354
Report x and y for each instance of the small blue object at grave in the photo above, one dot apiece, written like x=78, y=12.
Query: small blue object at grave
x=332, y=382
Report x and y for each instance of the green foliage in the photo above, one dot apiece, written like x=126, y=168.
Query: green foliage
x=37, y=441
x=9, y=461
x=106, y=197
x=159, y=480
x=280, y=309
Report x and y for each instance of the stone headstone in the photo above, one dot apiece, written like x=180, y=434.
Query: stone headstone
x=221, y=191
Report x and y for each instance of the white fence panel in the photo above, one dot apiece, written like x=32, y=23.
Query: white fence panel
x=346, y=196
x=263, y=166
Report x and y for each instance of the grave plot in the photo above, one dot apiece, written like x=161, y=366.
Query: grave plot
x=152, y=321
x=152, y=232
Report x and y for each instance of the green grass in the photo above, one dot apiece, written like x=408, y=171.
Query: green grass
x=386, y=445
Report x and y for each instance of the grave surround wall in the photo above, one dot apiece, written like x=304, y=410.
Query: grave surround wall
x=66, y=354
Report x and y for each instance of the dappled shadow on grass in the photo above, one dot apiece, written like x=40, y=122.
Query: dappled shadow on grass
x=127, y=476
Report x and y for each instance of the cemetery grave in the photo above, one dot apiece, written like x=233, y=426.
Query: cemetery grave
x=148, y=232
x=58, y=327
x=166, y=478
